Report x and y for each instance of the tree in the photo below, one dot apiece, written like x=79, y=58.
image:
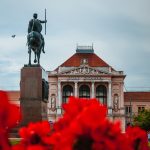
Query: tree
x=142, y=120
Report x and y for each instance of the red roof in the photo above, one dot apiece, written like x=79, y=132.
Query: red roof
x=93, y=60
x=136, y=96
x=13, y=95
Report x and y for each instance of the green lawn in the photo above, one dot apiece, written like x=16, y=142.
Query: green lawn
x=14, y=141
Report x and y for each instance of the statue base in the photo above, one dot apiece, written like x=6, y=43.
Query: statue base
x=32, y=102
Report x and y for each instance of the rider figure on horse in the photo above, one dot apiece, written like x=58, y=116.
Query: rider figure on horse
x=35, y=25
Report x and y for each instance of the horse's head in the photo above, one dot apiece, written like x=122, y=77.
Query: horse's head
x=34, y=39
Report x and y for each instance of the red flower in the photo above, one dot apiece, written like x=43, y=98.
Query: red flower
x=34, y=136
x=9, y=117
x=75, y=107
x=138, y=138
x=9, y=113
x=84, y=126
x=31, y=147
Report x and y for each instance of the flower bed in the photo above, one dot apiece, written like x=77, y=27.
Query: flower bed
x=84, y=126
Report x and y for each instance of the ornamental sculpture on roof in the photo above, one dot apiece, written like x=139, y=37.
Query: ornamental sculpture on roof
x=35, y=39
x=85, y=70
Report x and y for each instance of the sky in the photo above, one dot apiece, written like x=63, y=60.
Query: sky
x=118, y=29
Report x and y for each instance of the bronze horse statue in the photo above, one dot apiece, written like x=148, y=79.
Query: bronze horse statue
x=36, y=44
x=35, y=39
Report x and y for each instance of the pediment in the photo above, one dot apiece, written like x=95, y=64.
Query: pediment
x=84, y=70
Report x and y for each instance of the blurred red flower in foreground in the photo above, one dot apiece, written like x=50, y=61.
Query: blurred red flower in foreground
x=137, y=137
x=84, y=126
x=34, y=136
x=9, y=117
x=77, y=107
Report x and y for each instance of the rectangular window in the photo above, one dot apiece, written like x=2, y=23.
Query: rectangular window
x=141, y=108
x=128, y=109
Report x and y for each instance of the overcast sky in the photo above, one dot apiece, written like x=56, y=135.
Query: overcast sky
x=119, y=29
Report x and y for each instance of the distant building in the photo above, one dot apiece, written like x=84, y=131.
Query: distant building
x=134, y=103
x=86, y=75
x=14, y=97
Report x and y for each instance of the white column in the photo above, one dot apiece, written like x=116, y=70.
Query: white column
x=109, y=101
x=59, y=95
x=76, y=89
x=93, y=95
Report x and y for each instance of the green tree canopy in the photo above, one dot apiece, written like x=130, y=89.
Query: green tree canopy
x=142, y=120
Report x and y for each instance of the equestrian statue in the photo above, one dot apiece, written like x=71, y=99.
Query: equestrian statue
x=35, y=39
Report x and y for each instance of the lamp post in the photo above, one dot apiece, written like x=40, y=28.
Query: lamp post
x=130, y=112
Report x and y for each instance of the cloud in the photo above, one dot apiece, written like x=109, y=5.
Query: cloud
x=119, y=30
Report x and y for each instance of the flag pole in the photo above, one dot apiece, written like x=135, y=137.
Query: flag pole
x=45, y=21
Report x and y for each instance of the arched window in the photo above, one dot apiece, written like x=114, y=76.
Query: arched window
x=101, y=94
x=67, y=92
x=84, y=91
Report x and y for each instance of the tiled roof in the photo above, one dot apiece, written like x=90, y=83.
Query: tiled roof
x=13, y=95
x=93, y=60
x=136, y=96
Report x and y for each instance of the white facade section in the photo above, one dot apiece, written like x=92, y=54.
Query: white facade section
x=92, y=78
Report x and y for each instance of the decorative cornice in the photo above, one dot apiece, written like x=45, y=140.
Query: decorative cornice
x=84, y=70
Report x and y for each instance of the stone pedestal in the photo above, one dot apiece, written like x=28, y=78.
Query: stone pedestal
x=33, y=100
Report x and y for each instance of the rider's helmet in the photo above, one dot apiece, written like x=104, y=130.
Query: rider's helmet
x=35, y=15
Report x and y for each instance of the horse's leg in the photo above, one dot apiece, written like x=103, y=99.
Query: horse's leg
x=29, y=51
x=43, y=45
x=35, y=53
x=38, y=57
x=41, y=48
